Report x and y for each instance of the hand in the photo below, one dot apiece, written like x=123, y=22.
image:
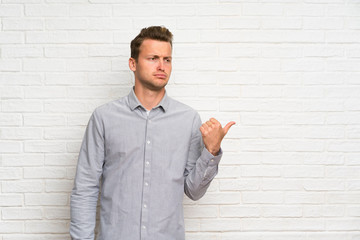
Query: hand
x=213, y=133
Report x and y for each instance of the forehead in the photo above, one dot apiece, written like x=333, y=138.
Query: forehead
x=155, y=47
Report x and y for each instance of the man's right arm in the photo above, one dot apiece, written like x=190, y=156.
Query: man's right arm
x=85, y=193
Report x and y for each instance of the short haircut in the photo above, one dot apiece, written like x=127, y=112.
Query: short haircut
x=155, y=33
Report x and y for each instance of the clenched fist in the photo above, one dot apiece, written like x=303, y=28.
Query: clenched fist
x=213, y=133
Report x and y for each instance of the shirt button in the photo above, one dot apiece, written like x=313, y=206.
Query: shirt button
x=146, y=184
x=212, y=160
x=145, y=206
x=148, y=141
x=143, y=227
x=147, y=162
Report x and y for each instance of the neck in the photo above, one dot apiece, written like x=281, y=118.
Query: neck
x=149, y=98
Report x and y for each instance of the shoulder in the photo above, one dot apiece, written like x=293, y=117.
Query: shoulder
x=177, y=106
x=111, y=107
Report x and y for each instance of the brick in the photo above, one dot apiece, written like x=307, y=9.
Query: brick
x=196, y=23
x=276, y=184
x=283, y=224
x=44, y=146
x=10, y=10
x=11, y=227
x=201, y=211
x=11, y=200
x=342, y=198
x=12, y=93
x=10, y=66
x=342, y=172
x=216, y=225
x=66, y=24
x=282, y=211
x=304, y=10
x=89, y=65
x=343, y=224
x=58, y=213
x=46, y=199
x=343, y=146
x=282, y=23
x=218, y=9
x=324, y=185
x=10, y=173
x=239, y=184
x=46, y=173
x=231, y=22
x=37, y=37
x=303, y=171
x=65, y=78
x=43, y=120
x=46, y=10
x=141, y=22
x=22, y=186
x=262, y=197
x=59, y=185
x=304, y=198
x=20, y=133
x=19, y=52
x=22, y=160
x=21, y=213
x=66, y=52
x=108, y=51
x=43, y=65
x=17, y=79
x=11, y=37
x=61, y=160
x=46, y=227
x=263, y=9
x=217, y=198
x=10, y=119
x=239, y=211
x=10, y=147
x=22, y=24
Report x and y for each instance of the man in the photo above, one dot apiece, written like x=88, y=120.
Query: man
x=144, y=151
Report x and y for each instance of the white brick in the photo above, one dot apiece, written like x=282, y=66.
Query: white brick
x=65, y=78
x=201, y=211
x=57, y=213
x=46, y=227
x=239, y=22
x=281, y=23
x=324, y=185
x=10, y=173
x=304, y=10
x=21, y=213
x=10, y=65
x=11, y=200
x=282, y=211
x=46, y=199
x=66, y=52
x=90, y=10
x=262, y=9
x=304, y=198
x=342, y=172
x=218, y=9
x=18, y=79
x=11, y=37
x=220, y=198
x=89, y=65
x=22, y=160
x=20, y=133
x=46, y=173
x=36, y=37
x=10, y=119
x=12, y=92
x=44, y=146
x=10, y=10
x=59, y=185
x=46, y=10
x=22, y=186
x=22, y=24
x=281, y=185
x=43, y=120
x=19, y=52
x=239, y=184
x=283, y=224
x=225, y=224
x=64, y=133
x=43, y=65
x=343, y=224
x=239, y=211
x=11, y=227
x=61, y=159
x=262, y=197
x=343, y=146
x=196, y=23
x=343, y=198
x=66, y=24
x=10, y=147
x=303, y=171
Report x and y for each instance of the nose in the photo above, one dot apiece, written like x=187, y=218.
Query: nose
x=161, y=65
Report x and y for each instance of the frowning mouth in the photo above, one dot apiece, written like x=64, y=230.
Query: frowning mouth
x=160, y=75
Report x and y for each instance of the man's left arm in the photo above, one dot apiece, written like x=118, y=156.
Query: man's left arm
x=204, y=156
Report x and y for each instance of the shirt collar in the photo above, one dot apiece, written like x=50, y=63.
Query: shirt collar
x=134, y=101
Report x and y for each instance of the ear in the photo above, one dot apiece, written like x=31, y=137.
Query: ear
x=132, y=64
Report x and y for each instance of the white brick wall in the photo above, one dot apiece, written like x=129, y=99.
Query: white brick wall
x=288, y=72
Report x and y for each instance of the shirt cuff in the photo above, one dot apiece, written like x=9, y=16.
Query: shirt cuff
x=211, y=159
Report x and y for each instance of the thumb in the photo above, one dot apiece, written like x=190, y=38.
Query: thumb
x=227, y=127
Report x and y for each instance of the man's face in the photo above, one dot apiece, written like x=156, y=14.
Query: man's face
x=153, y=67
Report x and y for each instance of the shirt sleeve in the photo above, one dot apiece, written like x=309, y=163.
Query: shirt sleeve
x=85, y=193
x=201, y=167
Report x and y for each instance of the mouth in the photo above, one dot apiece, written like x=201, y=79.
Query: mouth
x=160, y=75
